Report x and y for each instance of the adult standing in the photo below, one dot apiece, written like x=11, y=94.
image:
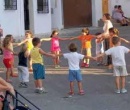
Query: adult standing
x=105, y=35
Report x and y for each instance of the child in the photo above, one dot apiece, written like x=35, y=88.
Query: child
x=113, y=32
x=118, y=59
x=74, y=70
x=8, y=58
x=55, y=46
x=85, y=39
x=38, y=65
x=99, y=49
x=28, y=42
x=22, y=67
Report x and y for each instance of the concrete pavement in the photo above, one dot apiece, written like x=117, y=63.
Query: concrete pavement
x=98, y=82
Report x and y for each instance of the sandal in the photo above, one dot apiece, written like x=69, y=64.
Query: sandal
x=81, y=92
x=71, y=93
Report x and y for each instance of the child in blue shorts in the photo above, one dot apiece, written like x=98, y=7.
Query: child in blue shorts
x=74, y=70
x=38, y=65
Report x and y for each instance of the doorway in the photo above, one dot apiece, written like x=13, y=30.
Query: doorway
x=26, y=15
x=77, y=13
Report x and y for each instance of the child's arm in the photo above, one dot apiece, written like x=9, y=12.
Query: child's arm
x=98, y=56
x=45, y=39
x=47, y=54
x=22, y=42
x=124, y=40
x=64, y=38
x=73, y=38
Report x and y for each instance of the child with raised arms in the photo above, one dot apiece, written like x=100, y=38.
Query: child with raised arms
x=74, y=70
x=119, y=65
x=38, y=64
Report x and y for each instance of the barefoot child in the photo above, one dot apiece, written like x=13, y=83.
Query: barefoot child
x=8, y=57
x=74, y=70
x=28, y=42
x=119, y=65
x=22, y=67
x=38, y=65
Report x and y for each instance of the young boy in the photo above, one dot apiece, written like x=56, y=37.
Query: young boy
x=118, y=59
x=38, y=65
x=74, y=70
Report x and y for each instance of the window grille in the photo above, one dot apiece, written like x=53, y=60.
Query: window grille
x=10, y=4
x=42, y=6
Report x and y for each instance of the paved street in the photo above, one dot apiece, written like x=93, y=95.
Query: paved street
x=98, y=82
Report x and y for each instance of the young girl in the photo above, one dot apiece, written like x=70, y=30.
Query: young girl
x=28, y=42
x=85, y=39
x=22, y=67
x=8, y=58
x=55, y=46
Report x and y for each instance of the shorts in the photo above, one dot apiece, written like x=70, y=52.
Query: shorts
x=8, y=62
x=120, y=71
x=38, y=71
x=75, y=75
x=23, y=74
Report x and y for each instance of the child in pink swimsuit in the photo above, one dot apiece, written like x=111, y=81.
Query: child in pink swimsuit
x=55, y=47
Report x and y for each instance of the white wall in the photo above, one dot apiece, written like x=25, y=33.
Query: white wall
x=57, y=14
x=125, y=6
x=42, y=21
x=96, y=11
x=12, y=20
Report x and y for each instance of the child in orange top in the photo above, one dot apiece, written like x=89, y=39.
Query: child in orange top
x=85, y=39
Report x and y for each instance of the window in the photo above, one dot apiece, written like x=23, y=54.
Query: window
x=10, y=4
x=42, y=6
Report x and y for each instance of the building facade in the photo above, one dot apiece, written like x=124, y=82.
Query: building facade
x=41, y=16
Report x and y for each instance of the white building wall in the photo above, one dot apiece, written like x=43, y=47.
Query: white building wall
x=57, y=14
x=40, y=22
x=12, y=20
x=96, y=12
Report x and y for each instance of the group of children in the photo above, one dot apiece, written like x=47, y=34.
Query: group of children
x=31, y=50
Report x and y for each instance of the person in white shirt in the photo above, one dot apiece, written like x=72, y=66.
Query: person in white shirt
x=119, y=65
x=74, y=70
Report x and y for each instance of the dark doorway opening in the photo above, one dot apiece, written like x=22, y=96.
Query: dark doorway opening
x=26, y=14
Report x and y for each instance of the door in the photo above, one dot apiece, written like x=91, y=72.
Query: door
x=105, y=6
x=77, y=13
x=26, y=14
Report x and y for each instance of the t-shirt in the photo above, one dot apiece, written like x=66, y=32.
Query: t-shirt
x=73, y=60
x=22, y=59
x=118, y=55
x=36, y=56
x=86, y=40
x=107, y=26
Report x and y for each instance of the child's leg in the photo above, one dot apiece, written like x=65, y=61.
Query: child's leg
x=54, y=59
x=57, y=58
x=71, y=86
x=80, y=87
x=123, y=81
x=88, y=54
x=117, y=82
x=36, y=84
x=39, y=84
x=30, y=63
x=8, y=74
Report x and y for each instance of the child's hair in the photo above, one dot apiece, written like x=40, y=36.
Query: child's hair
x=107, y=15
x=29, y=32
x=115, y=40
x=23, y=48
x=53, y=32
x=119, y=6
x=6, y=41
x=85, y=30
x=72, y=47
x=35, y=41
x=115, y=31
